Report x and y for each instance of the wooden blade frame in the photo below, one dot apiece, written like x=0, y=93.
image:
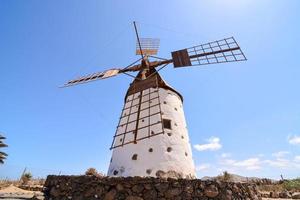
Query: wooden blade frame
x=92, y=77
x=149, y=46
x=221, y=51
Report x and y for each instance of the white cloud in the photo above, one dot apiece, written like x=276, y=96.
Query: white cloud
x=203, y=167
x=297, y=159
x=261, y=155
x=279, y=163
x=257, y=165
x=247, y=164
x=225, y=155
x=212, y=145
x=295, y=139
x=280, y=154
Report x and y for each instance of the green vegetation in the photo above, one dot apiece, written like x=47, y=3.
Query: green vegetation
x=293, y=184
x=2, y=154
x=26, y=178
x=224, y=177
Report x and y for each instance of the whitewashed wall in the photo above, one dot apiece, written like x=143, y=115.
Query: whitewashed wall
x=148, y=163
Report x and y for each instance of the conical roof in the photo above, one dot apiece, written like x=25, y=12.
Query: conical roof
x=153, y=80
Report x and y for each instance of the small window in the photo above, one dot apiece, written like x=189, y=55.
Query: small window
x=152, y=133
x=182, y=137
x=186, y=154
x=148, y=171
x=150, y=150
x=116, y=172
x=169, y=149
x=165, y=102
x=175, y=109
x=134, y=157
x=167, y=124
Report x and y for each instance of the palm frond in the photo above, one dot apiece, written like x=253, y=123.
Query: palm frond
x=3, y=145
x=3, y=154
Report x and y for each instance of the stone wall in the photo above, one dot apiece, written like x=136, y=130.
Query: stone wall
x=138, y=188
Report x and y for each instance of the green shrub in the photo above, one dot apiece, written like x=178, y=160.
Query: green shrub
x=293, y=184
x=224, y=177
x=26, y=177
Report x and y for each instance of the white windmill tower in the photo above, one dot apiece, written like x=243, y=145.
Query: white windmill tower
x=152, y=137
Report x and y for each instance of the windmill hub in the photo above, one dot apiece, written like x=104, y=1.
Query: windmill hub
x=152, y=137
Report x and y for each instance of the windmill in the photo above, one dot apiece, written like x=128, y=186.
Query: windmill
x=151, y=138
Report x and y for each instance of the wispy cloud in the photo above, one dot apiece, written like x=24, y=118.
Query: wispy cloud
x=258, y=164
x=225, y=155
x=279, y=160
x=212, y=145
x=247, y=164
x=280, y=154
x=294, y=139
x=279, y=163
x=297, y=159
x=203, y=167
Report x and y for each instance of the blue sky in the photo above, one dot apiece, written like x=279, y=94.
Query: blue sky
x=242, y=117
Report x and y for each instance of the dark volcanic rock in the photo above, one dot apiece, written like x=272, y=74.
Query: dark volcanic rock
x=211, y=191
x=147, y=188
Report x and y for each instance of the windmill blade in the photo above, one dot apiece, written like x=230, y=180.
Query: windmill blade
x=147, y=46
x=93, y=77
x=220, y=51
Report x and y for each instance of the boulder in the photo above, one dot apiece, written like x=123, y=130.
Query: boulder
x=134, y=198
x=274, y=194
x=285, y=194
x=296, y=195
x=171, y=193
x=110, y=195
x=211, y=191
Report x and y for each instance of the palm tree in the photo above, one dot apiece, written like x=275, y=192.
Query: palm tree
x=2, y=154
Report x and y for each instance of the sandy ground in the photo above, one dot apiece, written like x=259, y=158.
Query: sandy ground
x=11, y=192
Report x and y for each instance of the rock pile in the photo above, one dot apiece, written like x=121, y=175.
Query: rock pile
x=139, y=188
x=281, y=195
